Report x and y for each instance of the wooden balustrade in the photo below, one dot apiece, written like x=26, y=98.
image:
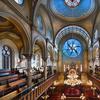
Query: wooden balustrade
x=34, y=93
x=95, y=80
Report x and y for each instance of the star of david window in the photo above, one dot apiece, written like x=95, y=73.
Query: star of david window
x=72, y=48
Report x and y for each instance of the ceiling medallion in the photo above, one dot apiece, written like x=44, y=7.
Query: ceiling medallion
x=72, y=3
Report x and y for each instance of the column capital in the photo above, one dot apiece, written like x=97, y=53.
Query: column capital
x=47, y=39
x=28, y=56
x=52, y=59
x=44, y=59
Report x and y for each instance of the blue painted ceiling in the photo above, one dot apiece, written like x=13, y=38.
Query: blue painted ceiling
x=85, y=7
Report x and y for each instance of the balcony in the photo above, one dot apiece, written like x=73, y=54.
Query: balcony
x=34, y=92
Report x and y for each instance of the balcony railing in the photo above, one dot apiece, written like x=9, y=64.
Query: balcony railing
x=34, y=92
x=95, y=80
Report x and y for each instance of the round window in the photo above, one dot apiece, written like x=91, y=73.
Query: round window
x=72, y=48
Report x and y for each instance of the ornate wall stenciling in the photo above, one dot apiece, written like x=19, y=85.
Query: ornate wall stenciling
x=61, y=9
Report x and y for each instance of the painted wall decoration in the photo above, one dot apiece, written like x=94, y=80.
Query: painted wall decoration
x=72, y=8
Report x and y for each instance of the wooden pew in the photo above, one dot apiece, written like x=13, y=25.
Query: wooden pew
x=6, y=79
x=10, y=76
x=12, y=94
x=4, y=71
x=12, y=86
x=17, y=83
x=9, y=81
x=9, y=96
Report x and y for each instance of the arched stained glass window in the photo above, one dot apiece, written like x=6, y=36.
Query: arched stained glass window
x=40, y=24
x=6, y=57
x=72, y=48
x=20, y=2
x=49, y=35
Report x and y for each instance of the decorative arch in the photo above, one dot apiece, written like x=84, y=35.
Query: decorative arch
x=20, y=26
x=72, y=29
x=13, y=37
x=40, y=41
x=38, y=51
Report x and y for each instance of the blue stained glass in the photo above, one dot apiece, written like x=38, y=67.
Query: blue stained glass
x=19, y=1
x=49, y=35
x=72, y=48
x=40, y=24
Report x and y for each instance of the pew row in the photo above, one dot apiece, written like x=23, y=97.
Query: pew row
x=11, y=82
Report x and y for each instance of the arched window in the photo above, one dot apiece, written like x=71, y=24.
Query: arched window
x=49, y=35
x=40, y=24
x=20, y=2
x=6, y=57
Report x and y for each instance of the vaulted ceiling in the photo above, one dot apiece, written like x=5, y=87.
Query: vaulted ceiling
x=62, y=15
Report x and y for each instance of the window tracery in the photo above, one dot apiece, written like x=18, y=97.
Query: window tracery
x=72, y=48
x=6, y=57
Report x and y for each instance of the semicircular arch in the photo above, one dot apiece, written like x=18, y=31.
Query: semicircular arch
x=40, y=41
x=21, y=28
x=72, y=29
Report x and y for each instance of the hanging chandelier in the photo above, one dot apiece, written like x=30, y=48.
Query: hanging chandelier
x=72, y=82
x=72, y=78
